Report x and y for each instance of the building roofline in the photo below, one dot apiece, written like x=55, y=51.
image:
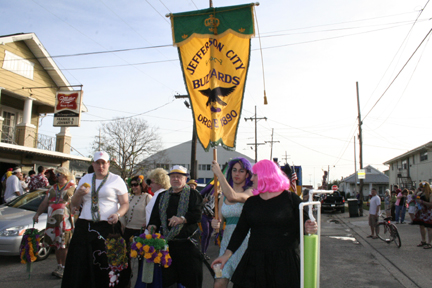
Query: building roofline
x=409, y=153
x=43, y=57
x=52, y=154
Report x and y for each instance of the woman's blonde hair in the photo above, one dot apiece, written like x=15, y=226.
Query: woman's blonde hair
x=160, y=176
x=427, y=190
x=65, y=172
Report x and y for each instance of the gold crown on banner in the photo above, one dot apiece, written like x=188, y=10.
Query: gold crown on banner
x=184, y=36
x=212, y=22
x=242, y=30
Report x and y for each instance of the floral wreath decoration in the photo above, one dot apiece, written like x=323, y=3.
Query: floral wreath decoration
x=116, y=252
x=29, y=247
x=153, y=247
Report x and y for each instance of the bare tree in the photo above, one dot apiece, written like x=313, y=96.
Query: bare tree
x=128, y=142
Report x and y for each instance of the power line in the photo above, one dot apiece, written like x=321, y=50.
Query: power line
x=406, y=87
x=194, y=4
x=170, y=45
x=122, y=118
x=62, y=19
x=121, y=65
x=157, y=12
x=132, y=28
x=328, y=38
x=96, y=52
x=400, y=71
x=400, y=47
x=400, y=23
x=165, y=6
x=345, y=22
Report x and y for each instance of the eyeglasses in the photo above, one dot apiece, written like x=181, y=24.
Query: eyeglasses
x=134, y=184
x=148, y=181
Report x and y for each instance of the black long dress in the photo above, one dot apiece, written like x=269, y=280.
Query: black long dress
x=271, y=259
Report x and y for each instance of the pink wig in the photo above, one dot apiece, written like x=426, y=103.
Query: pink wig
x=270, y=177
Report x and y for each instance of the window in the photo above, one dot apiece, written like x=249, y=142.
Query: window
x=423, y=156
x=208, y=167
x=404, y=164
x=8, y=128
x=413, y=159
x=392, y=166
x=368, y=170
x=18, y=65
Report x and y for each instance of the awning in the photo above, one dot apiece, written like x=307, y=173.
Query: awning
x=28, y=155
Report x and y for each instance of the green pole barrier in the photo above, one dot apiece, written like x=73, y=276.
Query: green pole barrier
x=310, y=260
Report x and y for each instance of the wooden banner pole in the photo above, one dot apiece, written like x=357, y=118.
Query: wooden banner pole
x=216, y=190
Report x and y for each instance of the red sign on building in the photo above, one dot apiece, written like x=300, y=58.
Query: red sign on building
x=67, y=110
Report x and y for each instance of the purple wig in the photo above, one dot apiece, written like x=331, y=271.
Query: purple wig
x=245, y=164
x=270, y=177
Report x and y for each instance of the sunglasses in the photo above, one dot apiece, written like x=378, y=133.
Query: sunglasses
x=148, y=181
x=134, y=184
x=58, y=174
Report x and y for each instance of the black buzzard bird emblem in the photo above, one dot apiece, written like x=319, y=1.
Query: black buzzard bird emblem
x=214, y=94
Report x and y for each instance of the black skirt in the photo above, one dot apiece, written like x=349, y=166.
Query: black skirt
x=87, y=263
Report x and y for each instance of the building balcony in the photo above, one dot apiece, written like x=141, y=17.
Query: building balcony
x=41, y=141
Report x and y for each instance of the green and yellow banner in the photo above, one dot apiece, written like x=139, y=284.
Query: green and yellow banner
x=214, y=49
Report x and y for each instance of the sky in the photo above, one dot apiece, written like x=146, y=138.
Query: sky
x=313, y=54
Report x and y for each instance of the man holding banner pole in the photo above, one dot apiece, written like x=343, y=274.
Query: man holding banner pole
x=176, y=214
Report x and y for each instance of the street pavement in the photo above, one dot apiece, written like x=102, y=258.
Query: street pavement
x=348, y=259
x=358, y=261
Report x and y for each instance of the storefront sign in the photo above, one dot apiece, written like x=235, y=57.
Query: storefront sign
x=67, y=110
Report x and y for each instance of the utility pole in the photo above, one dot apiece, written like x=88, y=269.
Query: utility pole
x=256, y=141
x=193, y=162
x=99, y=142
x=286, y=158
x=271, y=145
x=360, y=149
x=355, y=164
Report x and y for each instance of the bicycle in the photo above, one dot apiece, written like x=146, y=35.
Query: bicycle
x=389, y=232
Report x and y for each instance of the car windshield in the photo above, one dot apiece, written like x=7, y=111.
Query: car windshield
x=29, y=201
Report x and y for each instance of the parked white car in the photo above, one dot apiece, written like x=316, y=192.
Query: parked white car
x=17, y=216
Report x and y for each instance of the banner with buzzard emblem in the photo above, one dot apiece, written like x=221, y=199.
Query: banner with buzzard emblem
x=214, y=49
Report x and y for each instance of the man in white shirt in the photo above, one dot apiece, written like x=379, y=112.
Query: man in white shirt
x=13, y=186
x=104, y=199
x=374, y=207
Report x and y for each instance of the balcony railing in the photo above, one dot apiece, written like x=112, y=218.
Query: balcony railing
x=8, y=134
x=45, y=142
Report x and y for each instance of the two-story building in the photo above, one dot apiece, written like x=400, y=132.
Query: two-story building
x=29, y=80
x=411, y=168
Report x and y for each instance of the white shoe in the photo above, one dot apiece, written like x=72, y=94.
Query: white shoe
x=54, y=273
x=59, y=273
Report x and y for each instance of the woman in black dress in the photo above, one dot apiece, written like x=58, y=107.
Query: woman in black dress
x=272, y=215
